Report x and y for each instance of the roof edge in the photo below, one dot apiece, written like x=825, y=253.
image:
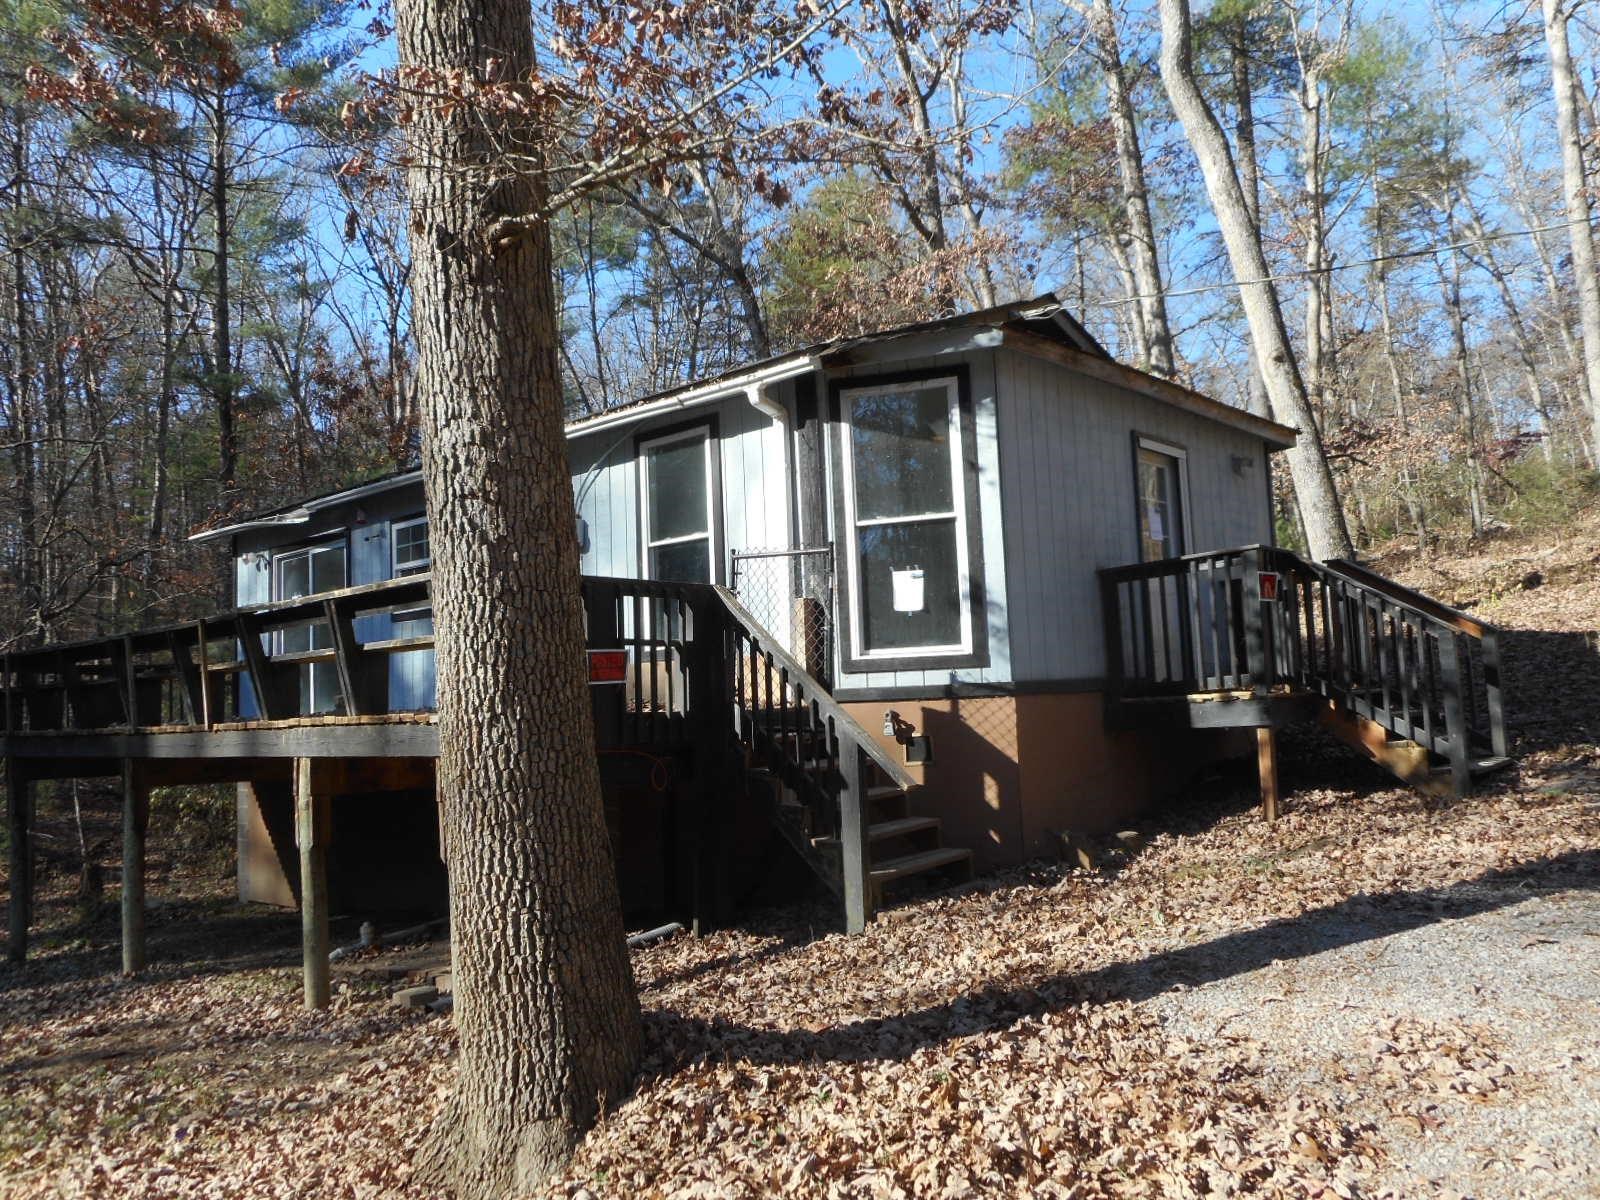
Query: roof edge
x=1280, y=437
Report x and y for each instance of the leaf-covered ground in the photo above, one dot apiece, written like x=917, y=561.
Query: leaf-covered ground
x=1377, y=995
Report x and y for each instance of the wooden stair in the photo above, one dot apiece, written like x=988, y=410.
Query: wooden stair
x=900, y=846
x=1408, y=761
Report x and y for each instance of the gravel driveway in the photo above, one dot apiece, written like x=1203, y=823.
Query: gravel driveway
x=1465, y=1030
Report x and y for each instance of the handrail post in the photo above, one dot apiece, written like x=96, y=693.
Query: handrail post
x=853, y=838
x=1111, y=617
x=708, y=685
x=1491, y=682
x=1255, y=642
x=1454, y=714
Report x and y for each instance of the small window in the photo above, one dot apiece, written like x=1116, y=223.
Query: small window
x=680, y=546
x=411, y=555
x=905, y=500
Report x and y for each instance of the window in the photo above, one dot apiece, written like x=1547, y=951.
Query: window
x=307, y=572
x=676, y=478
x=1163, y=514
x=905, y=510
x=411, y=556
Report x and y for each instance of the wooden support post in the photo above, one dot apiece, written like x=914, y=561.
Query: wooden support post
x=1455, y=713
x=135, y=821
x=1267, y=765
x=204, y=668
x=349, y=660
x=19, y=799
x=853, y=818
x=312, y=826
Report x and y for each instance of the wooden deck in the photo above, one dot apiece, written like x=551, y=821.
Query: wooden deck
x=220, y=700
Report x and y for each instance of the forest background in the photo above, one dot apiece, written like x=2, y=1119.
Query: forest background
x=204, y=298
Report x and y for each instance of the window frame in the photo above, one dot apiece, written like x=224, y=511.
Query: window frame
x=396, y=570
x=706, y=433
x=973, y=649
x=1179, y=454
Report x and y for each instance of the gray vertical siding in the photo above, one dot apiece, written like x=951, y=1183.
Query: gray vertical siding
x=1066, y=453
x=753, y=453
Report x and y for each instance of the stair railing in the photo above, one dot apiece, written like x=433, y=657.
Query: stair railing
x=1258, y=619
x=786, y=720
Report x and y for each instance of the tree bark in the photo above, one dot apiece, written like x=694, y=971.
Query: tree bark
x=221, y=301
x=546, y=1009
x=1326, y=532
x=1579, y=234
x=1244, y=128
x=1157, y=351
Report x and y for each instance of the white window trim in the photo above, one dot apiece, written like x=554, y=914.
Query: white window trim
x=413, y=568
x=958, y=492
x=646, y=543
x=1181, y=456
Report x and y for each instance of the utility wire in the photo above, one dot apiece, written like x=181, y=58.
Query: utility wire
x=1308, y=272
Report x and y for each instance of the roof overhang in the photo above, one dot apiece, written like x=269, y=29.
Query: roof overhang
x=301, y=514
x=1279, y=437
x=751, y=383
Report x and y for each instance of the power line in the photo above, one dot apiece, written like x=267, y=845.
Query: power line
x=1308, y=272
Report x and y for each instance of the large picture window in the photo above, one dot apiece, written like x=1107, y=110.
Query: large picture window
x=906, y=519
x=676, y=478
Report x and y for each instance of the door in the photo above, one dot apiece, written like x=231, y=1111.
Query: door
x=307, y=572
x=1162, y=535
x=680, y=544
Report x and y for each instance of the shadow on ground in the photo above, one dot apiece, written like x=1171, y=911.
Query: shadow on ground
x=1361, y=918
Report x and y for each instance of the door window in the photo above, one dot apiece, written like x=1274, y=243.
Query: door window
x=308, y=572
x=1161, y=514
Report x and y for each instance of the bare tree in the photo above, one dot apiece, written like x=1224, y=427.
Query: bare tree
x=1315, y=493
x=1579, y=234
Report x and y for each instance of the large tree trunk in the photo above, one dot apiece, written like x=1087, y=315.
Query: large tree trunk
x=222, y=300
x=546, y=1010
x=1579, y=234
x=1318, y=499
x=1157, y=351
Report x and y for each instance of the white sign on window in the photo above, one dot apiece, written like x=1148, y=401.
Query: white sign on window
x=908, y=589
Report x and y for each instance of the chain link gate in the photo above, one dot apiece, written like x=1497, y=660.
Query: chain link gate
x=790, y=592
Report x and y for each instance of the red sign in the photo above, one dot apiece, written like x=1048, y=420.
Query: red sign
x=1269, y=585
x=608, y=666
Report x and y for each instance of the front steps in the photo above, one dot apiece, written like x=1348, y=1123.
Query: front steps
x=900, y=846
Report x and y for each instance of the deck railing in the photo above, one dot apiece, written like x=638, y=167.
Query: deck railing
x=1259, y=619
x=197, y=673
x=702, y=675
